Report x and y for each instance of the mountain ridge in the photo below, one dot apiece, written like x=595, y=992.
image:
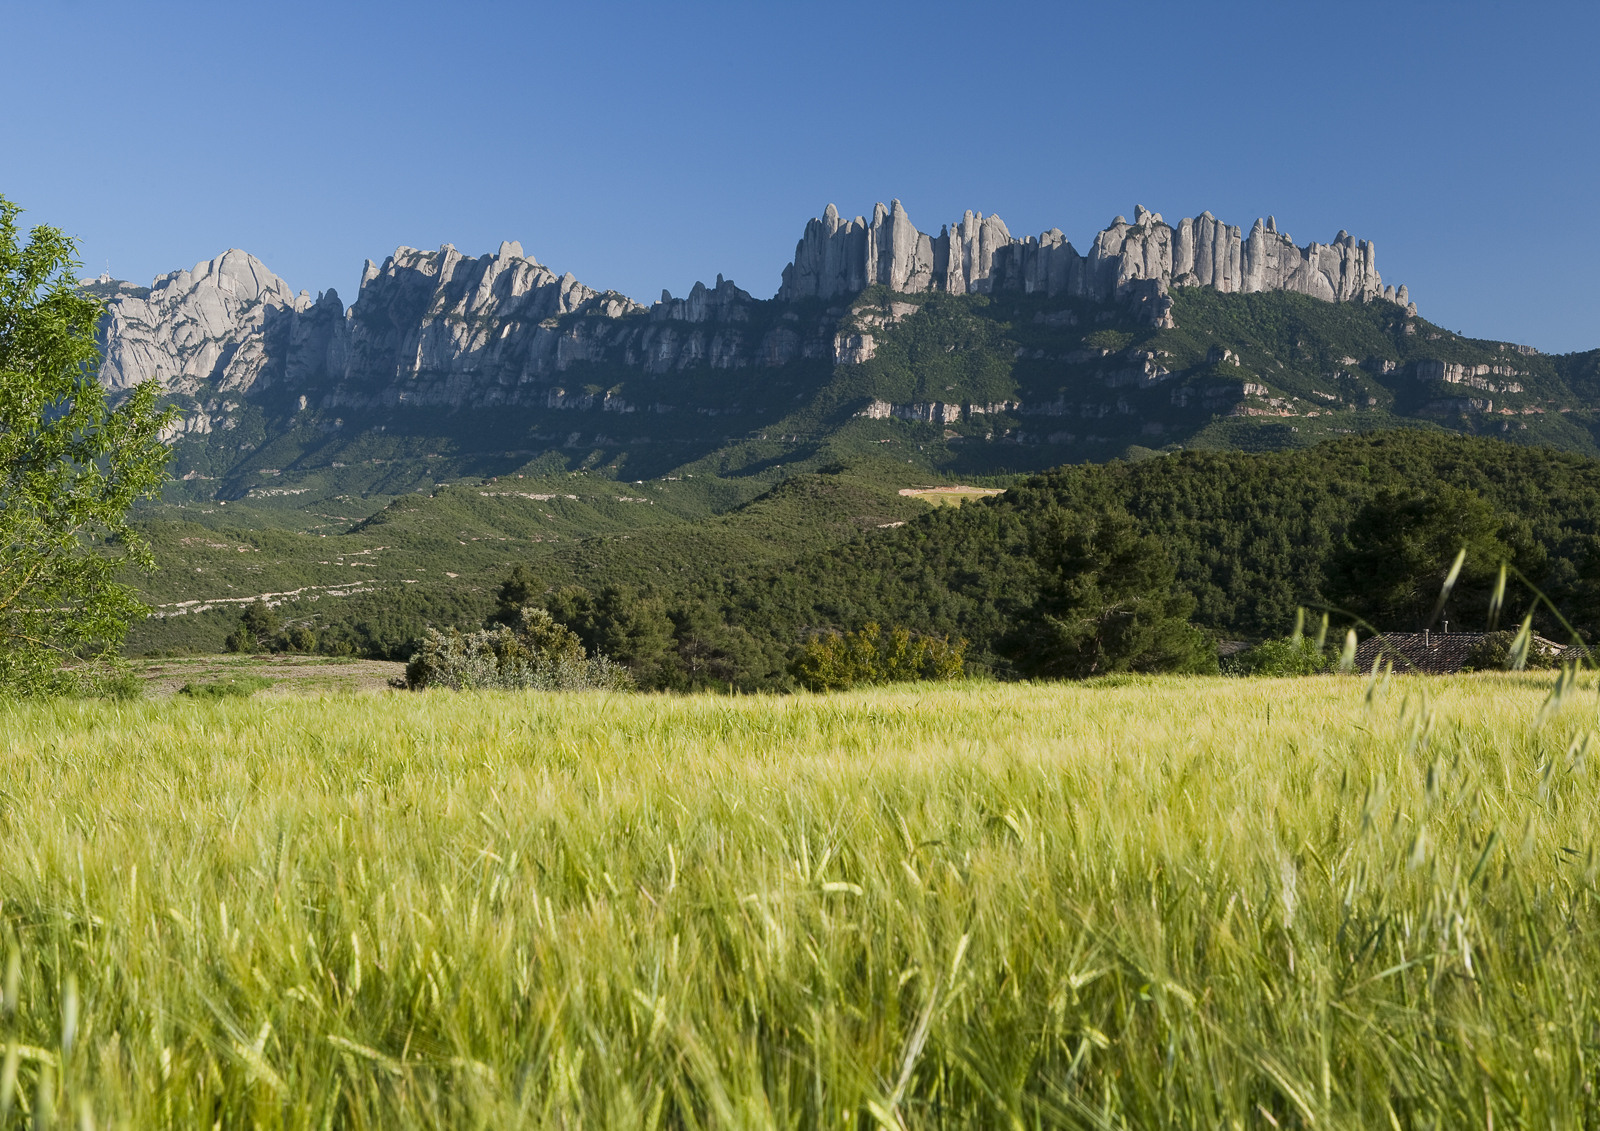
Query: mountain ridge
x=979, y=352
x=223, y=321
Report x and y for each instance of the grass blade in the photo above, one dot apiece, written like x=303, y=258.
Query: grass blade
x=1497, y=598
x=1449, y=584
x=1521, y=643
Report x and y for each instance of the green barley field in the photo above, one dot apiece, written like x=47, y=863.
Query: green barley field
x=1196, y=903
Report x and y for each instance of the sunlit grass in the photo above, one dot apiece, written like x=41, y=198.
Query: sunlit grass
x=1196, y=903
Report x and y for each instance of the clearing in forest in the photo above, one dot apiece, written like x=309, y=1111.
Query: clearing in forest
x=950, y=496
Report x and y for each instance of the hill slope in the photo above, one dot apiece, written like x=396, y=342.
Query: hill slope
x=1252, y=536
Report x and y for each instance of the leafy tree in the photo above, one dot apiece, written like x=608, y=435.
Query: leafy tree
x=257, y=631
x=1108, y=604
x=712, y=653
x=1402, y=546
x=70, y=468
x=833, y=661
x=1495, y=651
x=571, y=605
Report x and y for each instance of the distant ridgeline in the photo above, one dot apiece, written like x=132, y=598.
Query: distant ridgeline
x=978, y=352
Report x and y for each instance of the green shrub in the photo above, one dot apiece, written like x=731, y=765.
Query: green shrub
x=1493, y=652
x=536, y=654
x=234, y=687
x=836, y=662
x=1280, y=658
x=122, y=685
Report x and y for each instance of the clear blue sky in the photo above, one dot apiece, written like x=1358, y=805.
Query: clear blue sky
x=647, y=146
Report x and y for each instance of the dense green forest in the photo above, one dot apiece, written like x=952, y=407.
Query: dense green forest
x=1365, y=526
x=1368, y=525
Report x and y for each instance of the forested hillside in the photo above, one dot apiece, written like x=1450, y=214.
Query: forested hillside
x=1365, y=524
x=371, y=587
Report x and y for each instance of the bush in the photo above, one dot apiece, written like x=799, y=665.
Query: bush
x=1494, y=652
x=837, y=662
x=1280, y=658
x=122, y=686
x=536, y=654
x=236, y=687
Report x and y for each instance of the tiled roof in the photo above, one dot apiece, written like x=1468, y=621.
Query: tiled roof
x=1436, y=653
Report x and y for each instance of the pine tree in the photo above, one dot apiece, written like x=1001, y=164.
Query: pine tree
x=1109, y=603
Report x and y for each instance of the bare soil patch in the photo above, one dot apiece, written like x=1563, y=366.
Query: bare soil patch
x=949, y=496
x=290, y=675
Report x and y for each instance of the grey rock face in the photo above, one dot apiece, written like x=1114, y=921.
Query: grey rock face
x=1139, y=262
x=1046, y=263
x=433, y=329
x=842, y=257
x=438, y=328
x=205, y=328
x=724, y=303
x=934, y=412
x=1206, y=253
x=224, y=329
x=853, y=349
x=965, y=251
x=1343, y=271
x=442, y=315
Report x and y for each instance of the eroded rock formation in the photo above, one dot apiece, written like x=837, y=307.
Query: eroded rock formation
x=213, y=328
x=439, y=328
x=1139, y=261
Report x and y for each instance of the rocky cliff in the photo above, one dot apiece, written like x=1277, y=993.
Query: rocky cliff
x=843, y=257
x=1141, y=260
x=429, y=328
x=220, y=331
x=439, y=328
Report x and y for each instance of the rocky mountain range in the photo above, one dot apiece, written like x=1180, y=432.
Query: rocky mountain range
x=441, y=329
x=469, y=412
x=974, y=351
